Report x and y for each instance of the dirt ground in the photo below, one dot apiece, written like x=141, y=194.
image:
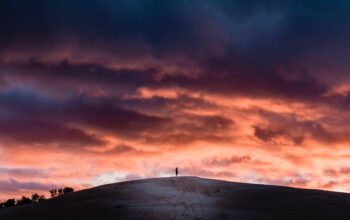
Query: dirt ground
x=187, y=198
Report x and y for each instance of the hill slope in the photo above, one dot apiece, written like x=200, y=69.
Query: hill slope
x=187, y=198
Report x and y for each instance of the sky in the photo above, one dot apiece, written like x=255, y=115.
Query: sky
x=95, y=92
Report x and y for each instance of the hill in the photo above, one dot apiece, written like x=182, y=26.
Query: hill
x=187, y=198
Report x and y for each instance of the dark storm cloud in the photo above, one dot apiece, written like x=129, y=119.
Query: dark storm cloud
x=32, y=118
x=183, y=101
x=207, y=124
x=72, y=77
x=42, y=22
x=188, y=128
x=219, y=76
x=38, y=118
x=265, y=134
x=13, y=185
x=28, y=131
x=233, y=77
x=240, y=47
x=261, y=34
x=288, y=127
x=3, y=83
x=257, y=49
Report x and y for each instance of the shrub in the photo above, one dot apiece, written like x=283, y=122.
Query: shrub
x=53, y=192
x=37, y=198
x=9, y=203
x=61, y=191
x=67, y=190
x=24, y=200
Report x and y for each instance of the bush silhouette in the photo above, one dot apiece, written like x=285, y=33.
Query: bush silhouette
x=9, y=203
x=67, y=190
x=61, y=191
x=53, y=192
x=24, y=200
x=37, y=198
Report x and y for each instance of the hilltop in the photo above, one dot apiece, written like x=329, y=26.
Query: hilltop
x=187, y=198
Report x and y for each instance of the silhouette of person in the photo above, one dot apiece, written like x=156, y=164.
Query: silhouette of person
x=176, y=171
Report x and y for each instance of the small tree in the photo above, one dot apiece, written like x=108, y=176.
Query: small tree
x=53, y=192
x=24, y=200
x=37, y=198
x=60, y=192
x=67, y=190
x=9, y=203
x=41, y=198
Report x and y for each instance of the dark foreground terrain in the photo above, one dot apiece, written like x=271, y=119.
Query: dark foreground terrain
x=187, y=198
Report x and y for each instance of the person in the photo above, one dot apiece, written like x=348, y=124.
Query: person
x=176, y=171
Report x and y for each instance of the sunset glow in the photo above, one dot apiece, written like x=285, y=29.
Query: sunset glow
x=95, y=92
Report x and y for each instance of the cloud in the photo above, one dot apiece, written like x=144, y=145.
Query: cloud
x=265, y=134
x=231, y=78
x=122, y=149
x=21, y=172
x=49, y=119
x=45, y=119
x=193, y=128
x=171, y=83
x=228, y=161
x=12, y=185
x=231, y=73
x=286, y=127
x=337, y=172
x=27, y=131
x=90, y=78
